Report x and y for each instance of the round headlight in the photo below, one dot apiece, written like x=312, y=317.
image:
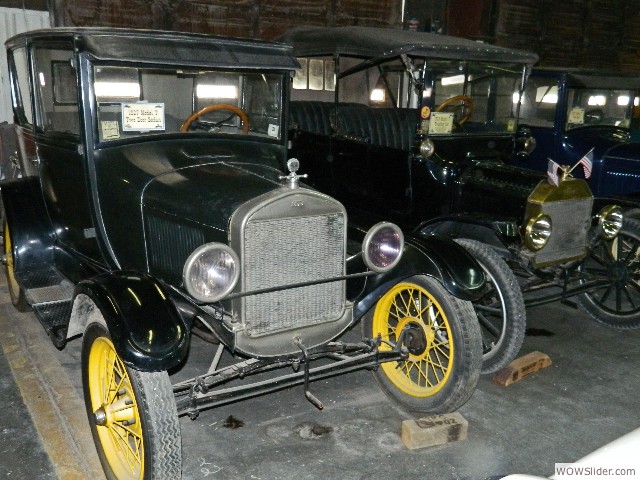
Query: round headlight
x=529, y=145
x=610, y=219
x=427, y=148
x=538, y=231
x=382, y=247
x=211, y=272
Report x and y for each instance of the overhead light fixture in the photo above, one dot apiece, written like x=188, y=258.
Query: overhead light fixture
x=204, y=90
x=377, y=95
x=117, y=89
x=453, y=80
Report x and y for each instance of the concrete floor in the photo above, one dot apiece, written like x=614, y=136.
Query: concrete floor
x=588, y=397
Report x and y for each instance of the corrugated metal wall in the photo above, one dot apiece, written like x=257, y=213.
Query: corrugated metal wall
x=13, y=21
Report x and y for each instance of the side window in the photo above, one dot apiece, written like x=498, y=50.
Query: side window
x=57, y=90
x=21, y=100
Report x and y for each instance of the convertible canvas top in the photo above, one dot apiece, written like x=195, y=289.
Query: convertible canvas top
x=381, y=43
x=578, y=78
x=168, y=48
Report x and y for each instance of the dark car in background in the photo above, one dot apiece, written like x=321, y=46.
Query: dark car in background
x=573, y=113
x=154, y=204
x=419, y=128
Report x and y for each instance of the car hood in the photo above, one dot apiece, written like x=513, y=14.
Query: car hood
x=603, y=141
x=491, y=186
x=209, y=193
x=624, y=151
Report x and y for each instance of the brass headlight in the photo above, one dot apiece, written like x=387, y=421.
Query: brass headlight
x=610, y=220
x=537, y=232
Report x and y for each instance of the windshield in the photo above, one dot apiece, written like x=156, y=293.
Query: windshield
x=153, y=101
x=599, y=107
x=585, y=106
x=455, y=97
x=473, y=97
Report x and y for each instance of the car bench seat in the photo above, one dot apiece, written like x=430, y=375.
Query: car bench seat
x=387, y=127
x=310, y=116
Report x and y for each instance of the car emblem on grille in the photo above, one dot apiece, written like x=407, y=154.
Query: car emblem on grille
x=293, y=165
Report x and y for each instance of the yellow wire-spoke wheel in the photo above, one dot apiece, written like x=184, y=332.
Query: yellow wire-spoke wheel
x=429, y=340
x=15, y=292
x=116, y=412
x=442, y=336
x=132, y=413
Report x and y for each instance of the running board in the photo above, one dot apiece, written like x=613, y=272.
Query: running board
x=50, y=295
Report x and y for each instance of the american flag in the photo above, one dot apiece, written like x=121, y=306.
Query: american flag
x=552, y=173
x=587, y=163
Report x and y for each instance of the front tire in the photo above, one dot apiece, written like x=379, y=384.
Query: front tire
x=132, y=414
x=617, y=304
x=501, y=310
x=443, y=366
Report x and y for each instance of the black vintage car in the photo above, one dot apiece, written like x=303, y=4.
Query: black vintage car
x=419, y=128
x=153, y=205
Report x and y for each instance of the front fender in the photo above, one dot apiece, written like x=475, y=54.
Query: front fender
x=497, y=232
x=145, y=326
x=434, y=256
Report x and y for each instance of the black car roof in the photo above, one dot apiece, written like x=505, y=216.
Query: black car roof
x=580, y=78
x=171, y=48
x=371, y=42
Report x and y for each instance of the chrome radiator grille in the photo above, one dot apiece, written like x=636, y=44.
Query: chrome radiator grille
x=284, y=251
x=571, y=220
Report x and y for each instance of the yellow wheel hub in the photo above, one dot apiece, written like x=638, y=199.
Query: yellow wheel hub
x=115, y=410
x=8, y=260
x=429, y=341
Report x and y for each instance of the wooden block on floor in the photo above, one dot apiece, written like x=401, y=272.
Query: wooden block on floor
x=434, y=430
x=521, y=367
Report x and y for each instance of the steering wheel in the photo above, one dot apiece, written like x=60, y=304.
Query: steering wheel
x=212, y=108
x=464, y=100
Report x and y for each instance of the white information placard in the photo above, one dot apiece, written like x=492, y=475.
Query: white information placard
x=142, y=117
x=110, y=129
x=576, y=116
x=441, y=122
x=273, y=130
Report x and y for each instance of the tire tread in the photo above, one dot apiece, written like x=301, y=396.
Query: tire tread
x=514, y=305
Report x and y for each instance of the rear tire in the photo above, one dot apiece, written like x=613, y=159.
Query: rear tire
x=443, y=367
x=132, y=414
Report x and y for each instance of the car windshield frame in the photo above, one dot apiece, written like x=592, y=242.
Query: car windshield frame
x=358, y=50
x=545, y=101
x=566, y=99
x=155, y=100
